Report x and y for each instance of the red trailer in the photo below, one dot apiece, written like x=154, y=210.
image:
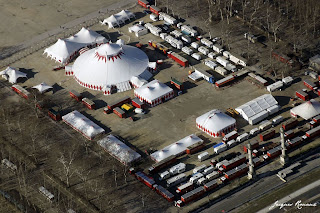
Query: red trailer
x=77, y=96
x=295, y=141
x=316, y=119
x=224, y=81
x=275, y=152
x=118, y=111
x=137, y=103
x=54, y=114
x=282, y=58
x=309, y=84
x=313, y=132
x=179, y=59
x=21, y=91
x=143, y=3
x=289, y=134
x=211, y=185
x=291, y=123
x=177, y=84
x=256, y=161
x=162, y=164
x=164, y=193
x=185, y=188
x=303, y=95
x=267, y=135
x=234, y=162
x=254, y=145
x=117, y=103
x=236, y=172
x=192, y=195
x=155, y=9
x=88, y=103
x=141, y=176
x=195, y=147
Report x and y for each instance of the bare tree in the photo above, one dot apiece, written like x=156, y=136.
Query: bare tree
x=66, y=161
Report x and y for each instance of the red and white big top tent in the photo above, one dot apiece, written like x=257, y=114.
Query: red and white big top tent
x=110, y=65
x=154, y=93
x=215, y=122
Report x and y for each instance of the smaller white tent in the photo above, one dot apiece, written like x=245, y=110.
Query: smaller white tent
x=12, y=74
x=87, y=37
x=215, y=123
x=306, y=110
x=117, y=19
x=126, y=15
x=137, y=81
x=154, y=93
x=42, y=87
x=112, y=22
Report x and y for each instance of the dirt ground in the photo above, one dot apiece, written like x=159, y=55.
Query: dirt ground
x=98, y=177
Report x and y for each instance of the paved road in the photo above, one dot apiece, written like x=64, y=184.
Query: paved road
x=259, y=188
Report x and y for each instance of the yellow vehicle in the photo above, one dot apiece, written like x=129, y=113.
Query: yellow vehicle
x=127, y=107
x=232, y=112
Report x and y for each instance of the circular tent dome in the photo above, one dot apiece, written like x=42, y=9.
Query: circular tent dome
x=215, y=122
x=109, y=64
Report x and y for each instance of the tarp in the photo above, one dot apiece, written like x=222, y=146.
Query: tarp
x=119, y=150
x=306, y=110
x=82, y=124
x=215, y=122
x=42, y=87
x=257, y=105
x=176, y=148
x=12, y=74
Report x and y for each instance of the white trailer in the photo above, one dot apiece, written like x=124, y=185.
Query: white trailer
x=231, y=68
x=231, y=143
x=154, y=17
x=226, y=54
x=187, y=50
x=186, y=38
x=195, y=45
x=287, y=80
x=220, y=148
x=224, y=62
x=212, y=175
x=221, y=70
x=208, y=170
x=266, y=125
x=242, y=137
x=203, y=50
x=202, y=181
x=199, y=168
x=254, y=131
x=203, y=156
x=176, y=180
x=194, y=178
x=163, y=35
x=275, y=86
x=238, y=60
x=189, y=30
x=210, y=64
x=9, y=164
x=177, y=169
x=277, y=120
x=164, y=175
x=167, y=18
x=176, y=33
x=196, y=56
x=212, y=55
x=218, y=48
x=207, y=42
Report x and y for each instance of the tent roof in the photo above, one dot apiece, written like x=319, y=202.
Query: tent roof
x=175, y=148
x=87, y=37
x=153, y=90
x=13, y=74
x=109, y=64
x=138, y=81
x=82, y=124
x=42, y=87
x=307, y=110
x=136, y=28
x=119, y=149
x=118, y=18
x=257, y=105
x=215, y=120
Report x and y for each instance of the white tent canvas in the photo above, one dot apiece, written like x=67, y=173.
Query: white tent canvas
x=117, y=19
x=137, y=81
x=42, y=87
x=12, y=74
x=306, y=110
x=87, y=37
x=215, y=122
x=176, y=148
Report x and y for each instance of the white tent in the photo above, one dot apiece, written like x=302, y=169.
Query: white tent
x=82, y=124
x=137, y=81
x=306, y=110
x=256, y=106
x=42, y=87
x=117, y=19
x=119, y=150
x=64, y=49
x=12, y=74
x=126, y=15
x=112, y=22
x=154, y=93
x=215, y=122
x=109, y=65
x=176, y=148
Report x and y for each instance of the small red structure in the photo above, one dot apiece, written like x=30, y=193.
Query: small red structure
x=164, y=193
x=313, y=132
x=54, y=114
x=88, y=103
x=162, y=164
x=141, y=176
x=21, y=91
x=119, y=103
x=267, y=135
x=309, y=84
x=143, y=3
x=75, y=95
x=155, y=9
x=282, y=58
x=137, y=103
x=195, y=148
x=179, y=59
x=303, y=95
x=254, y=145
x=291, y=123
x=118, y=111
x=211, y=185
x=224, y=81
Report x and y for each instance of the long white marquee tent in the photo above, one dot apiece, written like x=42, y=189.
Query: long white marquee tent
x=12, y=74
x=306, y=110
x=176, y=148
x=118, y=19
x=215, y=122
x=82, y=124
x=258, y=106
x=119, y=150
x=154, y=93
x=65, y=49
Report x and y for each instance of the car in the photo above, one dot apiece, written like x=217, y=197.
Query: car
x=139, y=111
x=216, y=39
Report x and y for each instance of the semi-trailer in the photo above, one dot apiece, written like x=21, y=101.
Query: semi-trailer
x=267, y=135
x=179, y=59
